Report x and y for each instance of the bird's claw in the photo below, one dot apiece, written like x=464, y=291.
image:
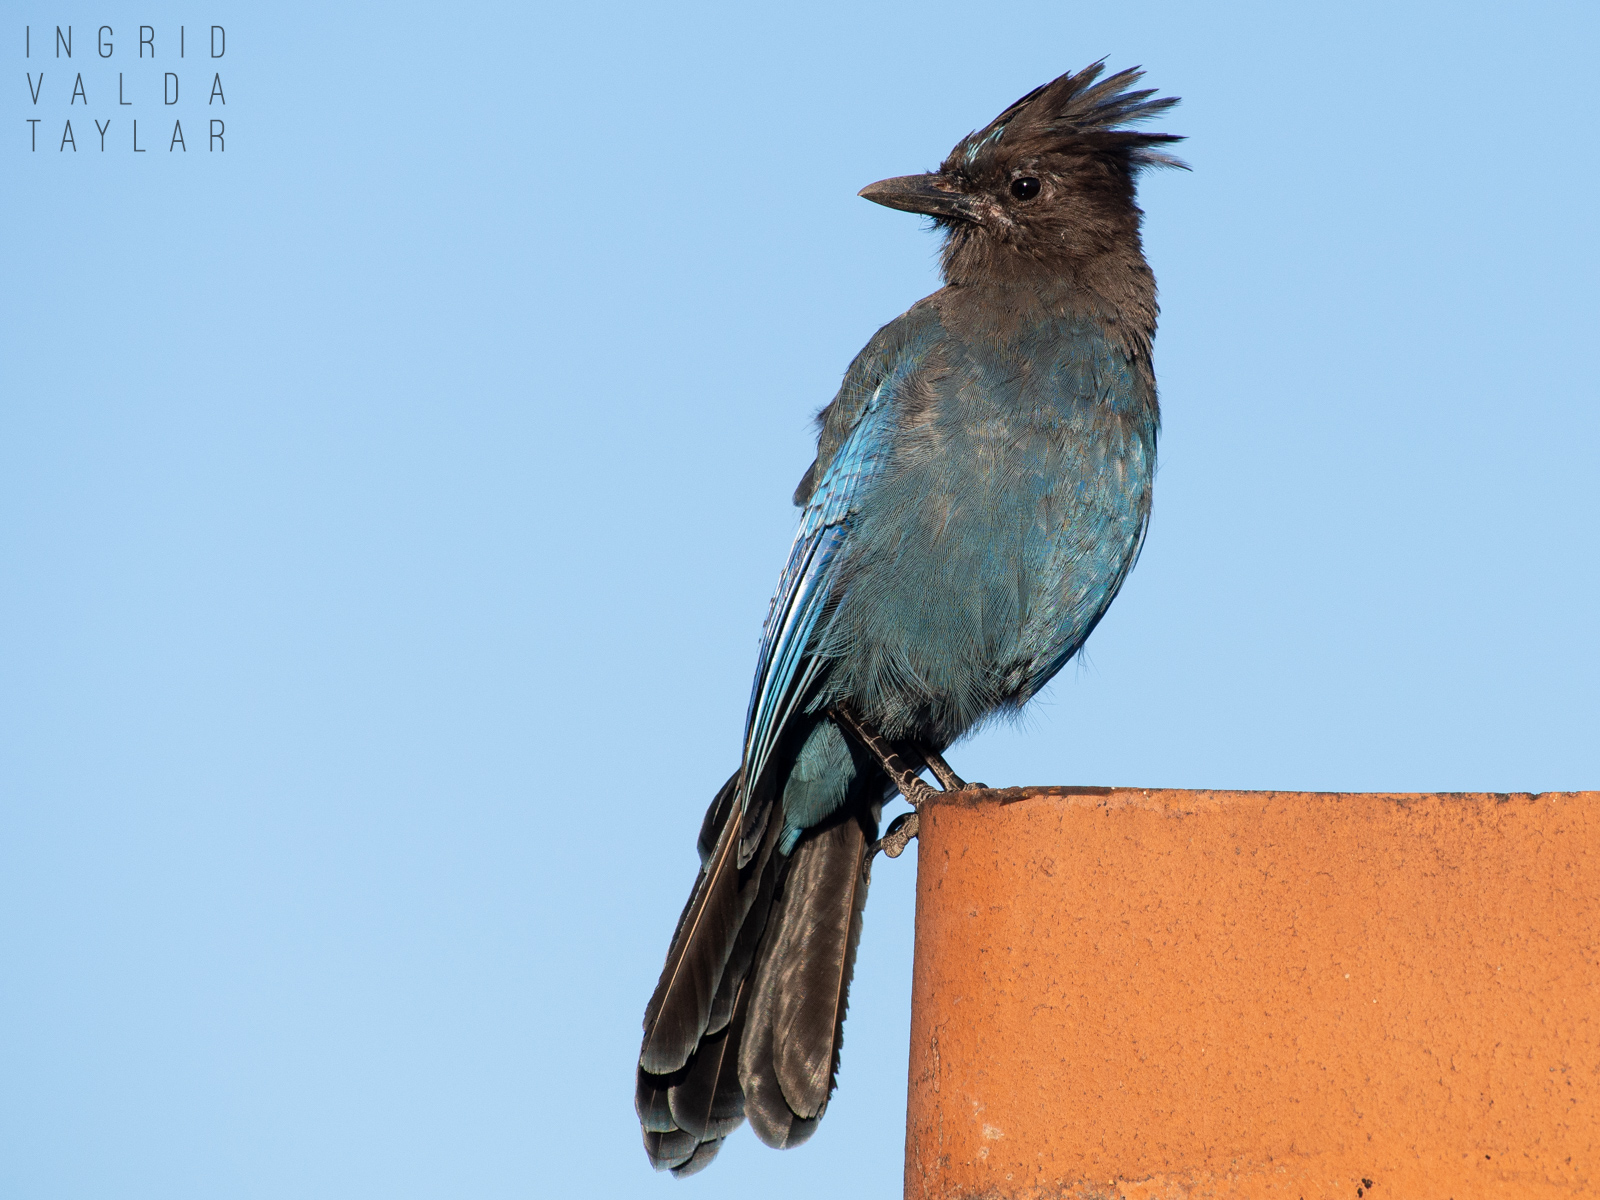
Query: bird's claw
x=899, y=834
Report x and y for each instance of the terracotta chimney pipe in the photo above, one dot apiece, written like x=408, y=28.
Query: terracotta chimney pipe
x=1176, y=994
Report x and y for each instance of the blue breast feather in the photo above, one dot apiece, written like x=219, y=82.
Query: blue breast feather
x=976, y=508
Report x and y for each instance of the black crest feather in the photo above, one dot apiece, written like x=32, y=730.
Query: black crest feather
x=1073, y=111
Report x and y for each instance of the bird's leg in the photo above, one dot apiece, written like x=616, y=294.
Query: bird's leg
x=901, y=773
x=904, y=777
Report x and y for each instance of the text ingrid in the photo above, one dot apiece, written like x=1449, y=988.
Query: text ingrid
x=131, y=91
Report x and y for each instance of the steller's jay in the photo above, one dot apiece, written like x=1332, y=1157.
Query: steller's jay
x=981, y=490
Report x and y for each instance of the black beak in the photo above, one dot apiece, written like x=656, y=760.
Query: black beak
x=932, y=195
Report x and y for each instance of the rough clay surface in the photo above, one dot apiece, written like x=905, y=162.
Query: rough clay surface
x=1168, y=995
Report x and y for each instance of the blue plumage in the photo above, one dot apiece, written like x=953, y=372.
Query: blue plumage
x=981, y=490
x=984, y=507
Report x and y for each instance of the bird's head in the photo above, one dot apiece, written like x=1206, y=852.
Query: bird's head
x=1047, y=186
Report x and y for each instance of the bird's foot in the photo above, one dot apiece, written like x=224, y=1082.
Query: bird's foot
x=898, y=836
x=948, y=779
x=904, y=775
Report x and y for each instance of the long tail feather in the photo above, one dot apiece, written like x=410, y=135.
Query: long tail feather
x=813, y=990
x=709, y=1103
x=789, y=1059
x=747, y=1020
x=744, y=949
x=699, y=1160
x=774, y=1122
x=670, y=1150
x=651, y=1100
x=680, y=1010
x=695, y=1021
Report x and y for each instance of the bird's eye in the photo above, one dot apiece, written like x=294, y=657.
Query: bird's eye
x=1025, y=189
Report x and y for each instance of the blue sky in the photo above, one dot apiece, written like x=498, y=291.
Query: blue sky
x=389, y=504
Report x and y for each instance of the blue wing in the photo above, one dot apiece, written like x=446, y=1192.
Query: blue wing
x=785, y=671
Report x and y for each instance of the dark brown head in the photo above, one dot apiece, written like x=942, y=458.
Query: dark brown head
x=1047, y=187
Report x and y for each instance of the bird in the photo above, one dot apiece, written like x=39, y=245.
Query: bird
x=981, y=490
